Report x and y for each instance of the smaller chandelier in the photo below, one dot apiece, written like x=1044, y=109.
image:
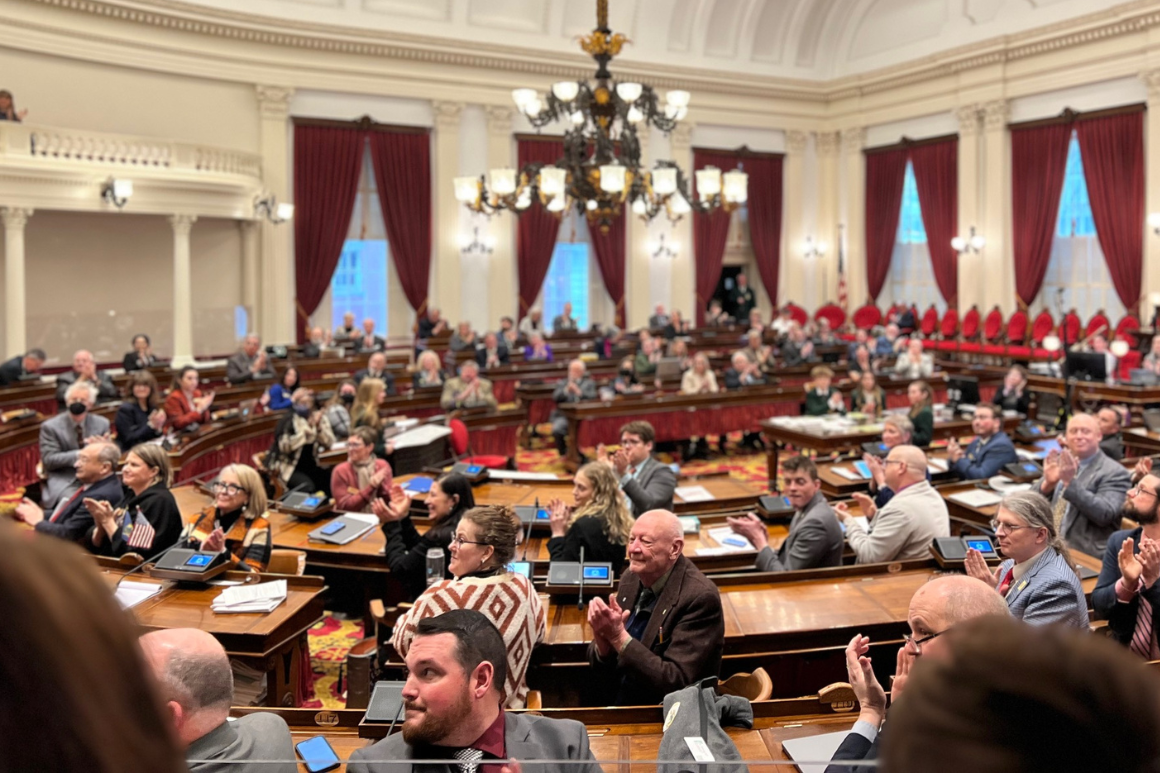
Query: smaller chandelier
x=601, y=172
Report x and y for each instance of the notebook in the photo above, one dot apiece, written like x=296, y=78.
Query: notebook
x=817, y=749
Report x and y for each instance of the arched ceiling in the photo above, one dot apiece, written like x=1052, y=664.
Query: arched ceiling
x=803, y=39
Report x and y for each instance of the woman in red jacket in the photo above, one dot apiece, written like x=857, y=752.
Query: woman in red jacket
x=186, y=404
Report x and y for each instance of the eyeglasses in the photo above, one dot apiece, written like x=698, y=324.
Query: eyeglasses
x=917, y=643
x=228, y=488
x=459, y=542
x=892, y=461
x=1006, y=528
x=1139, y=489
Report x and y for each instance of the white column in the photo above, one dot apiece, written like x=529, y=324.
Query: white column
x=182, y=290
x=445, y=287
x=248, y=229
x=828, y=144
x=15, y=219
x=502, y=279
x=972, y=281
x=638, y=266
x=684, y=271
x=853, y=140
x=793, y=220
x=997, y=263
x=1151, y=279
x=276, y=320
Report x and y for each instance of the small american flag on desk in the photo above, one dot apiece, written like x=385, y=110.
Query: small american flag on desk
x=139, y=533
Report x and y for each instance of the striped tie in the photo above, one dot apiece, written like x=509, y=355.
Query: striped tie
x=468, y=759
x=1142, y=636
x=1058, y=511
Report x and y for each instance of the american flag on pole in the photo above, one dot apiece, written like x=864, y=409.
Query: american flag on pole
x=140, y=533
x=843, y=296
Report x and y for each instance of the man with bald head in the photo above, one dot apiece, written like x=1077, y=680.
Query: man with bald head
x=249, y=363
x=935, y=608
x=662, y=630
x=905, y=526
x=578, y=387
x=84, y=370
x=197, y=685
x=1085, y=487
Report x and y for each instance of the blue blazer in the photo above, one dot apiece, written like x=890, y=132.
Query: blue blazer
x=983, y=461
x=1049, y=592
x=1121, y=617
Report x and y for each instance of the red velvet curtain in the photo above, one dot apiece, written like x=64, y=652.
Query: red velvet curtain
x=936, y=175
x=1038, y=162
x=710, y=232
x=885, y=174
x=1113, y=166
x=538, y=227
x=402, y=164
x=326, y=172
x=610, y=251
x=765, y=206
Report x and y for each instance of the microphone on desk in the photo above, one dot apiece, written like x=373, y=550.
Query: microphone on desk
x=580, y=598
x=528, y=530
x=300, y=487
x=398, y=713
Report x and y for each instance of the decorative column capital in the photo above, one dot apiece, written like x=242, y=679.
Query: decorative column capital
x=854, y=139
x=15, y=217
x=499, y=119
x=274, y=101
x=1151, y=79
x=995, y=114
x=796, y=141
x=681, y=136
x=968, y=118
x=447, y=114
x=182, y=224
x=828, y=143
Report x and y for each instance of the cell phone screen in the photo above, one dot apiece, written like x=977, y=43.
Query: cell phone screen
x=331, y=528
x=318, y=754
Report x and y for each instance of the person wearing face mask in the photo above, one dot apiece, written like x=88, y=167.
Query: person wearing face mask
x=599, y=523
x=300, y=437
x=626, y=381
x=362, y=478
x=236, y=521
x=62, y=436
x=140, y=418
x=484, y=543
x=186, y=404
x=147, y=520
x=141, y=356
x=406, y=552
x=338, y=409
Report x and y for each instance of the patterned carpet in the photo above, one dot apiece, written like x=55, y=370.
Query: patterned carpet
x=333, y=637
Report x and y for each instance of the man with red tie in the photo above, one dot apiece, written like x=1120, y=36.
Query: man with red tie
x=96, y=466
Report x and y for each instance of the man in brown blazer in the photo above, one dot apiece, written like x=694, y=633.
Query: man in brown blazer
x=663, y=629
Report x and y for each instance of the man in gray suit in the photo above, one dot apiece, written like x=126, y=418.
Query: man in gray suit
x=577, y=387
x=814, y=539
x=564, y=321
x=648, y=484
x=1085, y=487
x=249, y=363
x=457, y=663
x=62, y=436
x=197, y=685
x=85, y=371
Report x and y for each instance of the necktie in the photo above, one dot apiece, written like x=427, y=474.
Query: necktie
x=640, y=617
x=1058, y=511
x=61, y=508
x=80, y=435
x=1142, y=636
x=468, y=759
x=1005, y=585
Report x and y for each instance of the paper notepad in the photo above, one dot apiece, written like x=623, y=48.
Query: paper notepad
x=730, y=540
x=130, y=594
x=976, y=498
x=261, y=597
x=847, y=473
x=694, y=494
x=937, y=465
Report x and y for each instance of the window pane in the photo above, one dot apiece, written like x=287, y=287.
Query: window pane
x=911, y=276
x=910, y=227
x=567, y=282
x=359, y=284
x=1075, y=210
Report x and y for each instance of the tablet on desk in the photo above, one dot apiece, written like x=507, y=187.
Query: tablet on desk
x=863, y=469
x=419, y=485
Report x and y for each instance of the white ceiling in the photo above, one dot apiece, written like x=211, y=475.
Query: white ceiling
x=813, y=39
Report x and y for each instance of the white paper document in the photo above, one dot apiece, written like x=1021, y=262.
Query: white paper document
x=847, y=473
x=977, y=498
x=937, y=465
x=694, y=494
x=367, y=518
x=130, y=594
x=420, y=436
x=521, y=475
x=260, y=597
x=729, y=540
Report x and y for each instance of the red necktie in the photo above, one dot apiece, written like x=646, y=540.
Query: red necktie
x=61, y=508
x=1006, y=584
x=1141, y=642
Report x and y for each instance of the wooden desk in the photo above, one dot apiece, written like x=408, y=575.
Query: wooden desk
x=835, y=485
x=273, y=642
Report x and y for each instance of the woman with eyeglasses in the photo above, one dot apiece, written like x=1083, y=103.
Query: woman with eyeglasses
x=599, y=522
x=147, y=520
x=363, y=477
x=406, y=551
x=236, y=521
x=484, y=544
x=1038, y=578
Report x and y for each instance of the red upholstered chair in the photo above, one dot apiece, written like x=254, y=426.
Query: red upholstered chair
x=1042, y=326
x=833, y=313
x=929, y=323
x=969, y=333
x=867, y=317
x=797, y=313
x=1099, y=323
x=993, y=329
x=1069, y=328
x=1127, y=329
x=1017, y=335
x=1128, y=363
x=948, y=329
x=461, y=448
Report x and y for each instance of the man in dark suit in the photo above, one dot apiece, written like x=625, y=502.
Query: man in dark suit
x=935, y=608
x=815, y=538
x=741, y=298
x=377, y=368
x=647, y=483
x=1111, y=433
x=21, y=367
x=458, y=664
x=196, y=682
x=577, y=387
x=96, y=468
x=659, y=318
x=1127, y=593
x=564, y=321
x=745, y=372
x=84, y=370
x=368, y=341
x=492, y=353
x=663, y=629
x=62, y=436
x=991, y=449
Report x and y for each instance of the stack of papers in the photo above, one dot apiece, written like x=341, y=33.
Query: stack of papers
x=729, y=540
x=130, y=594
x=261, y=598
x=977, y=498
x=847, y=473
x=694, y=494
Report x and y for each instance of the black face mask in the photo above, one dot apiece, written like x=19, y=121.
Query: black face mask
x=76, y=409
x=626, y=373
x=302, y=410
x=348, y=399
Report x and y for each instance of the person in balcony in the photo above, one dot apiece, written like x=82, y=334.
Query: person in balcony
x=8, y=111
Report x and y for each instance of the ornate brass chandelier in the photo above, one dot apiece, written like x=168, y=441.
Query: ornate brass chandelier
x=600, y=171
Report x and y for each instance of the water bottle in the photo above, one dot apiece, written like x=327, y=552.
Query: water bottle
x=435, y=561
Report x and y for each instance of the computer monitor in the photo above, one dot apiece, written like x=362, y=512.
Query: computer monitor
x=962, y=390
x=1086, y=366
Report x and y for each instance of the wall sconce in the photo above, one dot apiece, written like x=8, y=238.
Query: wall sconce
x=812, y=249
x=117, y=192
x=658, y=248
x=973, y=243
x=474, y=245
x=269, y=208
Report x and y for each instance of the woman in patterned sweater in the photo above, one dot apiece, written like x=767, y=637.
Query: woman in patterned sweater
x=237, y=520
x=485, y=541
